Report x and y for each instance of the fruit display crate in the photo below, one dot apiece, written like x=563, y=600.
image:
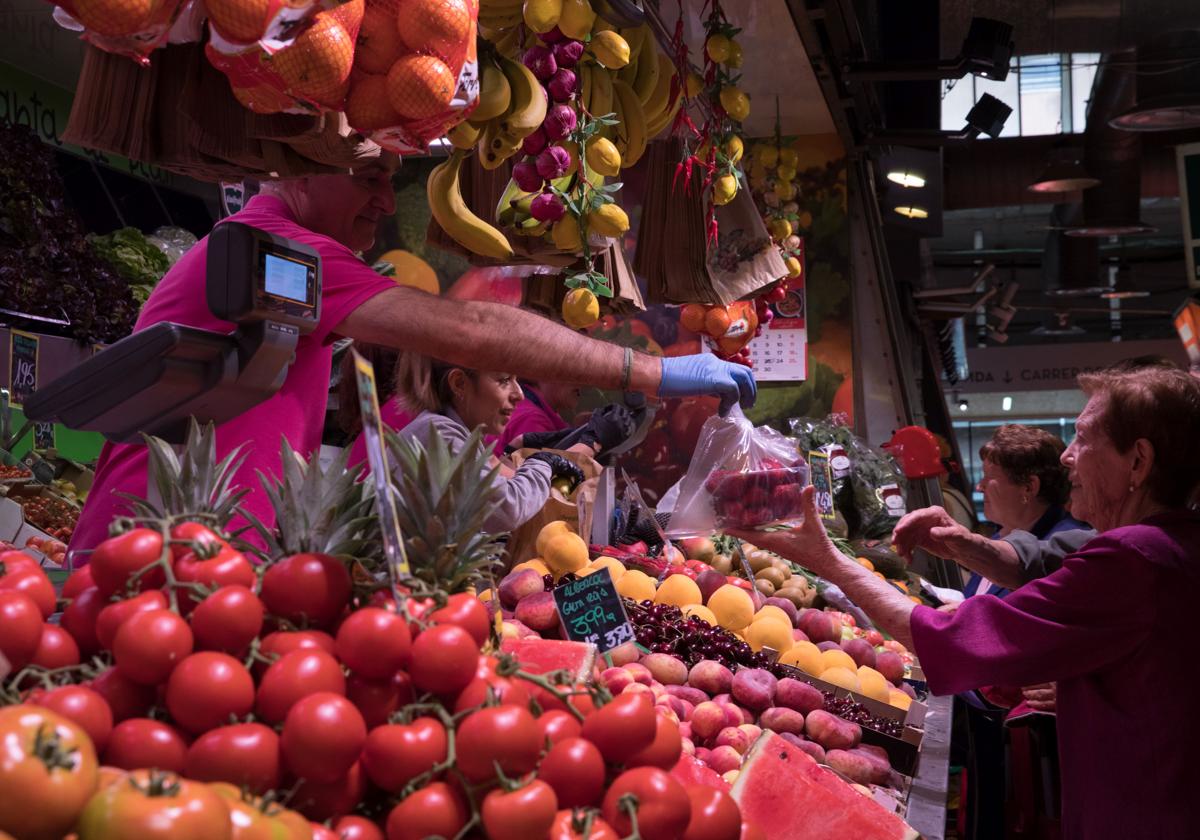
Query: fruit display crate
x=903, y=750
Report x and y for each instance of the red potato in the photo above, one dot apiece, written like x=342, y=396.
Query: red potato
x=831, y=732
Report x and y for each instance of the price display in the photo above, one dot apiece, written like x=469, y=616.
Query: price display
x=591, y=611
x=818, y=468
x=22, y=365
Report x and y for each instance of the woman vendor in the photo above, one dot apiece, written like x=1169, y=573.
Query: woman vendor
x=1113, y=626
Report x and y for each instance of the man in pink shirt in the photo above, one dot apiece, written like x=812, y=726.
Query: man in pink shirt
x=338, y=216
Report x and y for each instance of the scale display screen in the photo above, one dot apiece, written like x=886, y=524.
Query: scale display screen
x=285, y=278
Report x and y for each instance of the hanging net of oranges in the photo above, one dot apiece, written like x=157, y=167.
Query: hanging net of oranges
x=133, y=28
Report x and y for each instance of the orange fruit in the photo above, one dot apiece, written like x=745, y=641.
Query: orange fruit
x=242, y=21
x=350, y=15
x=420, y=86
x=263, y=100
x=367, y=106
x=317, y=63
x=379, y=43
x=691, y=317
x=115, y=18
x=717, y=321
x=439, y=27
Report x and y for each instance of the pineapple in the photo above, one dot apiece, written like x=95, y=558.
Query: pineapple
x=442, y=500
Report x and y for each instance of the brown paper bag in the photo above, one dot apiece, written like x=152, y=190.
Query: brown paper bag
x=522, y=544
x=743, y=259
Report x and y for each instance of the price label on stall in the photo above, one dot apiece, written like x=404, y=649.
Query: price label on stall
x=43, y=435
x=591, y=611
x=822, y=480
x=22, y=365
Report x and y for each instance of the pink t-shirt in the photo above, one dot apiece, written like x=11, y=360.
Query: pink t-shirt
x=296, y=411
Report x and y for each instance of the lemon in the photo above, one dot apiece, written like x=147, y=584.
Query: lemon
x=795, y=269
x=565, y=234
x=785, y=173
x=772, y=613
x=732, y=606
x=734, y=149
x=768, y=156
x=700, y=611
x=614, y=566
x=735, y=55
x=898, y=698
x=718, y=48
x=608, y=220
x=780, y=229
x=806, y=656
x=770, y=633
x=566, y=553
x=873, y=684
x=789, y=157
x=838, y=659
x=785, y=190
x=602, y=156
x=610, y=49
x=549, y=532
x=580, y=308
x=678, y=591
x=724, y=190
x=735, y=103
x=842, y=677
x=536, y=564
x=637, y=585
x=695, y=84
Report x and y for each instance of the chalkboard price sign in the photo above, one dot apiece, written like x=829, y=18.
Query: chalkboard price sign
x=43, y=435
x=591, y=611
x=22, y=365
x=822, y=480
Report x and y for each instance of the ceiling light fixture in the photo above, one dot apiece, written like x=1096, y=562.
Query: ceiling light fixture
x=906, y=178
x=1006, y=404
x=1063, y=173
x=912, y=212
x=963, y=405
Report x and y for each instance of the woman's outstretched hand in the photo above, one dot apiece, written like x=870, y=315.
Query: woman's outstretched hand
x=806, y=545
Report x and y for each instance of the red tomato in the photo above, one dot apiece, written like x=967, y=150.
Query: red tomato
x=323, y=735
x=374, y=642
x=622, y=728
x=663, y=809
x=556, y=726
x=575, y=769
x=433, y=810
x=126, y=698
x=14, y=560
x=396, y=754
x=357, y=828
x=142, y=742
x=208, y=688
x=330, y=800
x=520, y=814
x=248, y=819
x=41, y=799
x=190, y=537
x=714, y=815
x=85, y=707
x=115, y=614
x=294, y=676
x=156, y=806
x=35, y=584
x=378, y=699
x=664, y=751
x=22, y=622
x=486, y=685
x=243, y=754
x=79, y=580
x=228, y=568
x=320, y=832
x=443, y=660
x=79, y=619
x=286, y=641
x=315, y=587
x=507, y=735
x=465, y=610
x=150, y=644
x=118, y=558
x=56, y=648
x=228, y=620
x=571, y=824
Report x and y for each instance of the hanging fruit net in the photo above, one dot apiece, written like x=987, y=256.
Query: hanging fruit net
x=132, y=28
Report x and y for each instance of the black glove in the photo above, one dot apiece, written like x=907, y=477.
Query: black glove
x=608, y=427
x=544, y=440
x=560, y=467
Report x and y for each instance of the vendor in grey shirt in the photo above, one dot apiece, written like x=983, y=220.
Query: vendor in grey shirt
x=454, y=400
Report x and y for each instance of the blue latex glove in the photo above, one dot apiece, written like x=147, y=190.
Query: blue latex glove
x=704, y=373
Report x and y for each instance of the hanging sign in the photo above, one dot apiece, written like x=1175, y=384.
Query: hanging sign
x=22, y=365
x=372, y=423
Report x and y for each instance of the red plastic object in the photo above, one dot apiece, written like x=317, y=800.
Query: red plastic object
x=916, y=449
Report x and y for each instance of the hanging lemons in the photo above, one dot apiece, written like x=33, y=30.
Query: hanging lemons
x=724, y=189
x=581, y=308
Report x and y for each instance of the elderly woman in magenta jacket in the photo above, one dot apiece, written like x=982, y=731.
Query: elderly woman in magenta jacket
x=1114, y=626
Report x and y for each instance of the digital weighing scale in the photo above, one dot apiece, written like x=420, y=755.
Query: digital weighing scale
x=153, y=381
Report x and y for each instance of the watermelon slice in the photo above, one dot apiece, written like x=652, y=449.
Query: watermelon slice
x=540, y=656
x=691, y=771
x=783, y=791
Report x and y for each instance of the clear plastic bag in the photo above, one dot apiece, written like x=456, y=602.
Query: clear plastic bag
x=740, y=477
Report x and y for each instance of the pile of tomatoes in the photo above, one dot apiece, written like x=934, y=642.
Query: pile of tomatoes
x=381, y=719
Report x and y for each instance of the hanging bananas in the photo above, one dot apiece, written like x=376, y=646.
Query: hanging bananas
x=444, y=192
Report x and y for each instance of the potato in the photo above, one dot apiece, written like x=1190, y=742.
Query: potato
x=831, y=732
x=782, y=719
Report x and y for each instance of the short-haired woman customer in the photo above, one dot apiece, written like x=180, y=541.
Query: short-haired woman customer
x=1113, y=626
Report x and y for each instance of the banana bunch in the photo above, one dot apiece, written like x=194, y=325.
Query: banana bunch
x=444, y=192
x=511, y=107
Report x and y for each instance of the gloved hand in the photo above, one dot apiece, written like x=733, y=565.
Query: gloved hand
x=560, y=467
x=608, y=427
x=543, y=440
x=704, y=373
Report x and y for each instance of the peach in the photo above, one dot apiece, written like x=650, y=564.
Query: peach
x=638, y=688
x=824, y=646
x=780, y=719
x=517, y=585
x=708, y=719
x=688, y=746
x=703, y=754
x=679, y=706
x=818, y=626
x=751, y=729
x=785, y=605
x=890, y=665
x=686, y=692
x=798, y=695
x=685, y=729
x=710, y=676
x=831, y=732
x=813, y=749
x=860, y=767
x=724, y=759
x=709, y=582
x=537, y=611
x=861, y=652
x=754, y=688
x=733, y=736
x=624, y=654
x=640, y=672
x=735, y=715
x=799, y=635
x=667, y=669
x=616, y=680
